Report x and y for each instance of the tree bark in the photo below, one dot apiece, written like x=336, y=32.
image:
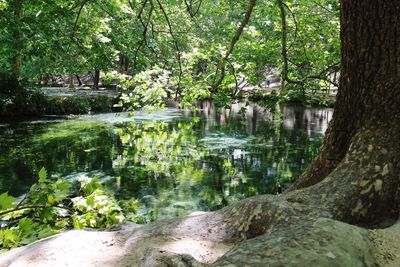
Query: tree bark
x=45, y=79
x=71, y=81
x=123, y=64
x=284, y=73
x=96, y=79
x=369, y=81
x=78, y=79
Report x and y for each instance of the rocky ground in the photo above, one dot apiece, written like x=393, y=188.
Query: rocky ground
x=240, y=235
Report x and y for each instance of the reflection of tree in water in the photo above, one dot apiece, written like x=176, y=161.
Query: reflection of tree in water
x=189, y=163
x=62, y=148
x=206, y=163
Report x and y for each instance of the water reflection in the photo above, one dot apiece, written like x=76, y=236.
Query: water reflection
x=175, y=162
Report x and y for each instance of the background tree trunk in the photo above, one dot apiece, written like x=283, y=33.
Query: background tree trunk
x=45, y=80
x=96, y=80
x=71, y=81
x=123, y=64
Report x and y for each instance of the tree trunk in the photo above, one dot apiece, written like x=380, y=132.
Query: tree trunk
x=71, y=81
x=126, y=66
x=284, y=73
x=45, y=79
x=369, y=81
x=79, y=80
x=123, y=64
x=96, y=79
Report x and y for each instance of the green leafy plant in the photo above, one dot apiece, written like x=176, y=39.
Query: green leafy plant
x=148, y=89
x=53, y=204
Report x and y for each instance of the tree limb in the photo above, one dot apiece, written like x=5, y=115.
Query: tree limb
x=222, y=64
x=76, y=22
x=176, y=45
x=31, y=207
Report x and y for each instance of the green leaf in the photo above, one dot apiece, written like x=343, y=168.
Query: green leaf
x=9, y=238
x=42, y=175
x=6, y=201
x=50, y=199
x=46, y=232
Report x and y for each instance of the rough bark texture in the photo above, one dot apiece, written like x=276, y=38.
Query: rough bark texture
x=259, y=231
x=353, y=186
x=369, y=82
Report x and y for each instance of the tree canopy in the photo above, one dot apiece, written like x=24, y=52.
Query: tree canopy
x=202, y=47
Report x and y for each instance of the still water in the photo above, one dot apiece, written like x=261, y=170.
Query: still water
x=174, y=162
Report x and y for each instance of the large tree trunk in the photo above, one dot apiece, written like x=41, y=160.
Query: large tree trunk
x=369, y=83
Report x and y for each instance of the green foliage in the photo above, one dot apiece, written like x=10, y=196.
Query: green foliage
x=111, y=78
x=68, y=105
x=52, y=204
x=170, y=50
x=24, y=233
x=292, y=96
x=78, y=105
x=6, y=201
x=15, y=99
x=148, y=89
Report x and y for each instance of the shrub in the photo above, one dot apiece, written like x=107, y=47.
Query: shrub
x=53, y=204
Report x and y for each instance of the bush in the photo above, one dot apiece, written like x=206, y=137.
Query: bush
x=68, y=105
x=101, y=103
x=148, y=89
x=79, y=105
x=16, y=100
x=113, y=78
x=53, y=204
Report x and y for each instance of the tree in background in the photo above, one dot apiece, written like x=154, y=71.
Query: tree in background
x=222, y=46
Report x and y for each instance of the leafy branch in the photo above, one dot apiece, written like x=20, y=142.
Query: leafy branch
x=221, y=67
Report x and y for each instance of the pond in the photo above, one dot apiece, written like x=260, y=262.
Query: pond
x=173, y=161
